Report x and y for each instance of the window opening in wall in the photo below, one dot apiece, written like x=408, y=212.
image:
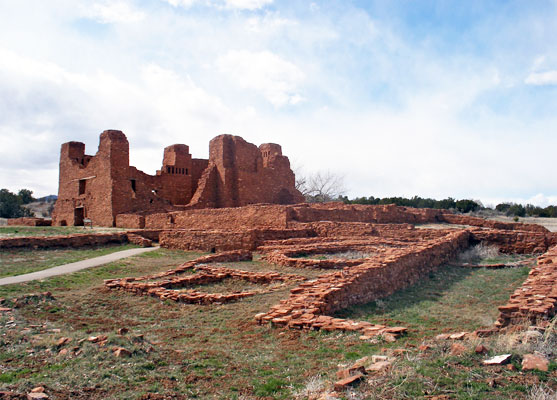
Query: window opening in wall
x=172, y=169
x=82, y=185
x=186, y=171
x=133, y=184
x=167, y=170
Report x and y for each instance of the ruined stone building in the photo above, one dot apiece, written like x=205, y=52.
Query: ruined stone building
x=102, y=186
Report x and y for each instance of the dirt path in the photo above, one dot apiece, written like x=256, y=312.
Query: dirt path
x=73, y=267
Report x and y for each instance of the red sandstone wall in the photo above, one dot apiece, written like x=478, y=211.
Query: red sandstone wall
x=339, y=212
x=96, y=187
x=520, y=242
x=134, y=221
x=351, y=229
x=102, y=186
x=311, y=302
x=109, y=186
x=27, y=221
x=239, y=173
x=486, y=223
x=249, y=217
x=219, y=240
x=536, y=300
x=213, y=241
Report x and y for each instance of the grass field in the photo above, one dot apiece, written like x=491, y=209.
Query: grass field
x=217, y=352
x=23, y=261
x=18, y=231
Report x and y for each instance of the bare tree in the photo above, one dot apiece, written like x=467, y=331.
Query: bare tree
x=320, y=186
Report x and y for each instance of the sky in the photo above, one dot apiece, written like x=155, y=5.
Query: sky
x=401, y=98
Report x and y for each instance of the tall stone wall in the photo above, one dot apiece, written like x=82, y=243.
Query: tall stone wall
x=102, y=186
x=239, y=173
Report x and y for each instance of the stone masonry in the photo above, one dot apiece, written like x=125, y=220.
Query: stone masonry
x=104, y=186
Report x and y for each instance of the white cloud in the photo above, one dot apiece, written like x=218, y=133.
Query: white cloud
x=181, y=3
x=45, y=104
x=114, y=12
x=395, y=113
x=230, y=4
x=276, y=79
x=247, y=4
x=542, y=78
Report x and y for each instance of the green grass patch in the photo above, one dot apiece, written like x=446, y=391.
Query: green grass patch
x=453, y=299
x=132, y=266
x=18, y=231
x=23, y=261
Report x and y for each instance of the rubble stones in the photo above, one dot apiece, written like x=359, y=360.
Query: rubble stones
x=498, y=360
x=535, y=362
x=163, y=285
x=378, y=366
x=121, y=352
x=481, y=349
x=344, y=383
x=37, y=396
x=457, y=349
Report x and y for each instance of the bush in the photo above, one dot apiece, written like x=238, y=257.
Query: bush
x=11, y=204
x=465, y=206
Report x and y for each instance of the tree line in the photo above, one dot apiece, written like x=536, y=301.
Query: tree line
x=325, y=186
x=464, y=206
x=11, y=204
x=530, y=210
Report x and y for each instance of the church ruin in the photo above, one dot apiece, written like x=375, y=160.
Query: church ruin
x=237, y=173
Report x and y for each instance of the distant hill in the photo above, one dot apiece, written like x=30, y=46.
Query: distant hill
x=48, y=199
x=42, y=207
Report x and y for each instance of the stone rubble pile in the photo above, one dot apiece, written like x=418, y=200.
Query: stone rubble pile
x=164, y=285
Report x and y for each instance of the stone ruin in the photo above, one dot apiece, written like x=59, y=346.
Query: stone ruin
x=211, y=205
x=101, y=187
x=391, y=252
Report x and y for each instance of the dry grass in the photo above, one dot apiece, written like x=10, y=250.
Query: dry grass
x=541, y=392
x=218, y=352
x=476, y=254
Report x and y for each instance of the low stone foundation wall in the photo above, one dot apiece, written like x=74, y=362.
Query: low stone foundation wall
x=381, y=214
x=218, y=240
x=27, y=221
x=151, y=234
x=247, y=217
x=535, y=302
x=310, y=303
x=165, y=285
x=517, y=242
x=351, y=229
x=459, y=219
